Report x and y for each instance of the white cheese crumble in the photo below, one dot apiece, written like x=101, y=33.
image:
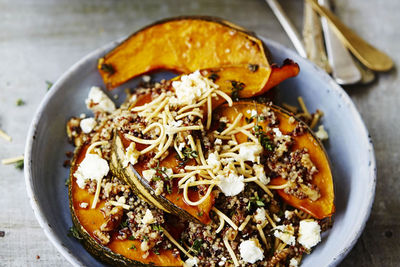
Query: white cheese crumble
x=260, y=174
x=131, y=155
x=288, y=214
x=322, y=133
x=250, y=251
x=191, y=262
x=277, y=132
x=309, y=233
x=286, y=234
x=148, y=218
x=214, y=161
x=218, y=141
x=87, y=125
x=181, y=146
x=231, y=184
x=191, y=87
x=92, y=167
x=146, y=78
x=260, y=216
x=84, y=205
x=250, y=152
x=293, y=263
x=98, y=101
x=148, y=174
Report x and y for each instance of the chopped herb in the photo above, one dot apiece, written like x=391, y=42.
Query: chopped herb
x=107, y=68
x=124, y=224
x=236, y=88
x=73, y=232
x=253, y=67
x=145, y=238
x=265, y=141
x=49, y=85
x=131, y=237
x=161, y=173
x=133, y=247
x=67, y=182
x=168, y=189
x=157, y=227
x=155, y=250
x=200, y=213
x=249, y=120
x=255, y=201
x=178, y=198
x=19, y=164
x=213, y=77
x=196, y=247
x=20, y=102
x=188, y=153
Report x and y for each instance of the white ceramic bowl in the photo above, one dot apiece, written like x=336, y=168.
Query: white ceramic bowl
x=349, y=148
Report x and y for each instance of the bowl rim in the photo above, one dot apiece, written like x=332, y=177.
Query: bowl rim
x=30, y=139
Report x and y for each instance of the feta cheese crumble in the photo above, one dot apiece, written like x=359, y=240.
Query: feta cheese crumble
x=214, y=161
x=286, y=234
x=293, y=263
x=309, y=233
x=131, y=155
x=87, y=125
x=92, y=167
x=98, y=101
x=191, y=87
x=191, y=262
x=260, y=216
x=148, y=218
x=231, y=184
x=250, y=152
x=250, y=251
x=148, y=174
x=260, y=174
x=322, y=134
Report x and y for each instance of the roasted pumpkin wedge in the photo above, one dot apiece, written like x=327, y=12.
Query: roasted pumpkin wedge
x=182, y=44
x=86, y=221
x=246, y=81
x=322, y=207
x=172, y=202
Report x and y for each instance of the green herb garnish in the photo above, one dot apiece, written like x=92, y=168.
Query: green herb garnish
x=108, y=68
x=236, y=88
x=19, y=164
x=73, y=232
x=131, y=237
x=213, y=77
x=158, y=228
x=20, y=102
x=133, y=247
x=49, y=85
x=196, y=247
x=67, y=182
x=253, y=67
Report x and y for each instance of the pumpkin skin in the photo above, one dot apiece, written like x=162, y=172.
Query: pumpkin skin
x=85, y=221
x=324, y=206
x=183, y=45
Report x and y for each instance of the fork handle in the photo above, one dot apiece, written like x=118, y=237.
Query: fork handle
x=363, y=51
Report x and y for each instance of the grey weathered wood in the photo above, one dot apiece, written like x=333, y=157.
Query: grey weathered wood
x=40, y=39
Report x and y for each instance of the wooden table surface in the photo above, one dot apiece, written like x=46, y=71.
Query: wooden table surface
x=41, y=39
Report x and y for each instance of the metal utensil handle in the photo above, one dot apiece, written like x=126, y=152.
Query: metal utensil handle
x=344, y=70
x=366, y=53
x=287, y=26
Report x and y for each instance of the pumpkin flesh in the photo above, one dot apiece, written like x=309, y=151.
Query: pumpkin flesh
x=182, y=45
x=324, y=206
x=91, y=219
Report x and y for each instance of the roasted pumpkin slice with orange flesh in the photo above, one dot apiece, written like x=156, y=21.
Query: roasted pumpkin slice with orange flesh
x=303, y=140
x=184, y=45
x=86, y=221
x=172, y=201
x=246, y=81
